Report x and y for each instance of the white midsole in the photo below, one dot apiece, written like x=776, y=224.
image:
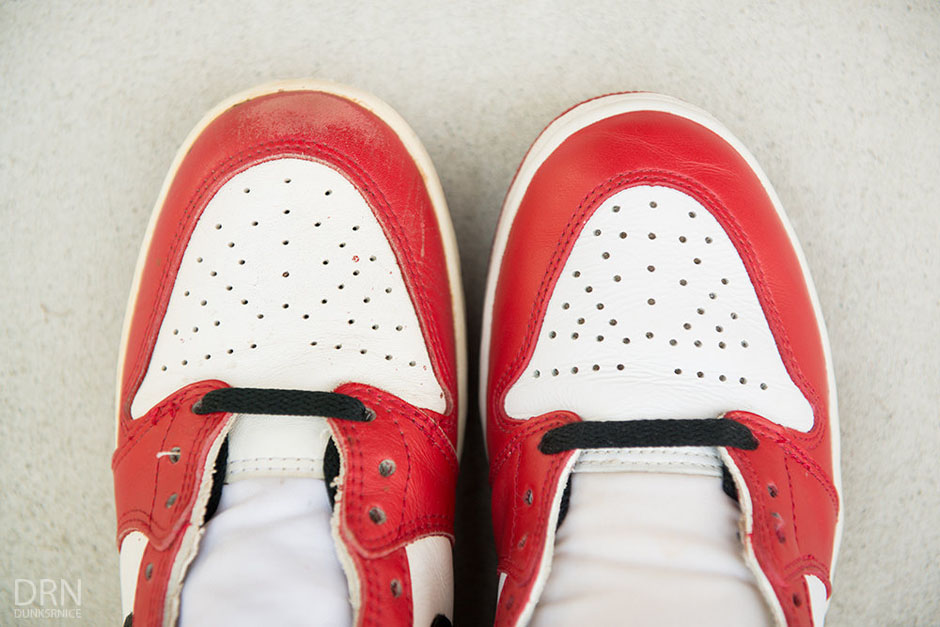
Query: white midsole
x=432, y=182
x=593, y=111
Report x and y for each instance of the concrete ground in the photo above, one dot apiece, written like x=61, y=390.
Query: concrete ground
x=839, y=100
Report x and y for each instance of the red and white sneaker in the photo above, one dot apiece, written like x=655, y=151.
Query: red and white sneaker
x=649, y=309
x=298, y=282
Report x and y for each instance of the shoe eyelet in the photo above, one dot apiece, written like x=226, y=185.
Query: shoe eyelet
x=171, y=501
x=369, y=415
x=148, y=571
x=377, y=515
x=528, y=498
x=387, y=468
x=396, y=588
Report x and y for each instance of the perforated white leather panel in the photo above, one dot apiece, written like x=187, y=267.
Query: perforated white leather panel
x=288, y=281
x=654, y=316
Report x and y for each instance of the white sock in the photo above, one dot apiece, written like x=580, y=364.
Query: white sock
x=267, y=557
x=639, y=548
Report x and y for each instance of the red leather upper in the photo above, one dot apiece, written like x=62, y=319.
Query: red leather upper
x=656, y=148
x=346, y=136
x=416, y=500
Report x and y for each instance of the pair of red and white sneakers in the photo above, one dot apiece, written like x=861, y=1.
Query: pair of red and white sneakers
x=647, y=309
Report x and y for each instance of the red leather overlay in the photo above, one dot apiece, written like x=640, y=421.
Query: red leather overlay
x=381, y=514
x=524, y=482
x=654, y=148
x=795, y=507
x=310, y=125
x=156, y=495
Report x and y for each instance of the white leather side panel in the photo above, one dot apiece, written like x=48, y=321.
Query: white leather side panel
x=654, y=316
x=430, y=561
x=818, y=601
x=132, y=552
x=288, y=281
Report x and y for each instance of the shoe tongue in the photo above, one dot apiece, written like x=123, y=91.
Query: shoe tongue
x=689, y=460
x=276, y=446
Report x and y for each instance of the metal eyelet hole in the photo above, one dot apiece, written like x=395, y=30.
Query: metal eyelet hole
x=148, y=572
x=797, y=601
x=170, y=502
x=522, y=542
x=397, y=588
x=175, y=454
x=369, y=415
x=386, y=468
x=772, y=490
x=528, y=498
x=377, y=515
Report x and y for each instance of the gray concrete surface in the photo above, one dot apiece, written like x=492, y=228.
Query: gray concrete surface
x=839, y=100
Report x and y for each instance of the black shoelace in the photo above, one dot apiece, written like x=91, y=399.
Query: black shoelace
x=283, y=403
x=645, y=433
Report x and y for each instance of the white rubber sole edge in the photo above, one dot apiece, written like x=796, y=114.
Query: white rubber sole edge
x=593, y=111
x=432, y=182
